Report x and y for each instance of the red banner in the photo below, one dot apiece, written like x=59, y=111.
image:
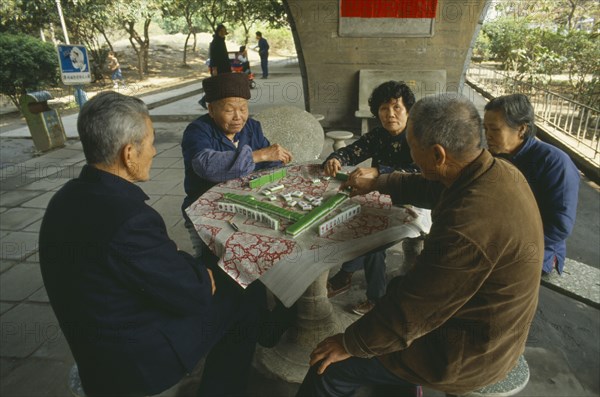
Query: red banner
x=388, y=8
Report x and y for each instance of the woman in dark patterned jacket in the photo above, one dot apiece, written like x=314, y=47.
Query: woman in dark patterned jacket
x=386, y=146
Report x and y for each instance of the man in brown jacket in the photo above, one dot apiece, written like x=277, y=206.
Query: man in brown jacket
x=459, y=320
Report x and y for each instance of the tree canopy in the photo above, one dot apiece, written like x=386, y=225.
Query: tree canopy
x=536, y=40
x=89, y=22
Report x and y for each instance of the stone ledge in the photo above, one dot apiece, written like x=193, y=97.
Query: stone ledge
x=578, y=281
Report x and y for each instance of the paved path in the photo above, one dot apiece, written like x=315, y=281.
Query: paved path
x=563, y=349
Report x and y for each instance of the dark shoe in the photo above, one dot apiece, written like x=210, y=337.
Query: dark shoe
x=339, y=283
x=363, y=308
x=399, y=391
x=202, y=102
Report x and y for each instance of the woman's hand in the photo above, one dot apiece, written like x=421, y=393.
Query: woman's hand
x=274, y=152
x=332, y=167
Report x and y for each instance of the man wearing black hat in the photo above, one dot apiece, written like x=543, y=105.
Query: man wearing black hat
x=225, y=143
x=218, y=56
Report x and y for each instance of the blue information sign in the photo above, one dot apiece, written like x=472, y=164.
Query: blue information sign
x=74, y=64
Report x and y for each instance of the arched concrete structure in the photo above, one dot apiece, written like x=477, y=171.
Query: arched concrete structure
x=330, y=62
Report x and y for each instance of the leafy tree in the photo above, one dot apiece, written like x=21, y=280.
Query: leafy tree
x=581, y=52
x=535, y=50
x=248, y=13
x=186, y=10
x=132, y=13
x=507, y=38
x=26, y=64
x=563, y=14
x=27, y=16
x=88, y=22
x=216, y=12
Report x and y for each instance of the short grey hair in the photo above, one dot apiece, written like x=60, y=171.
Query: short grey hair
x=449, y=120
x=109, y=121
x=517, y=111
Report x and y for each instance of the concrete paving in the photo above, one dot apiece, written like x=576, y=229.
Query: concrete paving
x=563, y=349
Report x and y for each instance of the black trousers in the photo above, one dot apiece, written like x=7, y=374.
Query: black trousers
x=345, y=377
x=231, y=332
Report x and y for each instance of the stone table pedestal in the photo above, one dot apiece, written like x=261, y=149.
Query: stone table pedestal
x=316, y=321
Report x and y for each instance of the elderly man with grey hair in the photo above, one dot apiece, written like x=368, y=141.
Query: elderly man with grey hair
x=459, y=319
x=137, y=313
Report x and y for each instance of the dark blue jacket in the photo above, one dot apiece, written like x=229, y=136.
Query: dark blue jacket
x=263, y=47
x=554, y=180
x=132, y=307
x=210, y=158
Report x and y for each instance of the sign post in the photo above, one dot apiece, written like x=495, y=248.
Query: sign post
x=74, y=69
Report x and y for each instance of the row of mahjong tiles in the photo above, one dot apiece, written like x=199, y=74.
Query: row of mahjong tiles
x=302, y=222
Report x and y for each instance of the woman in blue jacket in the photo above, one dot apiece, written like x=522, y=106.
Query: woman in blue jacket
x=509, y=123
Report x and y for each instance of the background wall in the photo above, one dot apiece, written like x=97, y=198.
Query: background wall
x=330, y=63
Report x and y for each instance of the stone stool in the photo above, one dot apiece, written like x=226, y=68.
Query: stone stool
x=339, y=137
x=515, y=381
x=294, y=129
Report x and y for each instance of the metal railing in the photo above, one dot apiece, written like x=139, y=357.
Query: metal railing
x=573, y=123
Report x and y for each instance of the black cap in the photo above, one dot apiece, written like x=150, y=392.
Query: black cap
x=226, y=85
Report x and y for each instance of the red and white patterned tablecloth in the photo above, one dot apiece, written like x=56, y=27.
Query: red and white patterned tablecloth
x=287, y=265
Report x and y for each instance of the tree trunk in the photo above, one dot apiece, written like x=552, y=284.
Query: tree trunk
x=571, y=14
x=142, y=51
x=185, y=49
x=146, y=43
x=138, y=53
x=108, y=43
x=195, y=42
x=246, y=33
x=52, y=35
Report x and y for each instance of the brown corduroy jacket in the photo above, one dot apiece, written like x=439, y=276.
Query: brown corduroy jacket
x=459, y=320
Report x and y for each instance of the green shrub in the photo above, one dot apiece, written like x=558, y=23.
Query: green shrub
x=481, y=51
x=26, y=64
x=508, y=40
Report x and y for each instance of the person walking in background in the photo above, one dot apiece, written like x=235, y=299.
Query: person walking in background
x=115, y=70
x=263, y=52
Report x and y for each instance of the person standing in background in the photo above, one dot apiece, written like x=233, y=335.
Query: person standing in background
x=219, y=60
x=263, y=52
x=218, y=57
